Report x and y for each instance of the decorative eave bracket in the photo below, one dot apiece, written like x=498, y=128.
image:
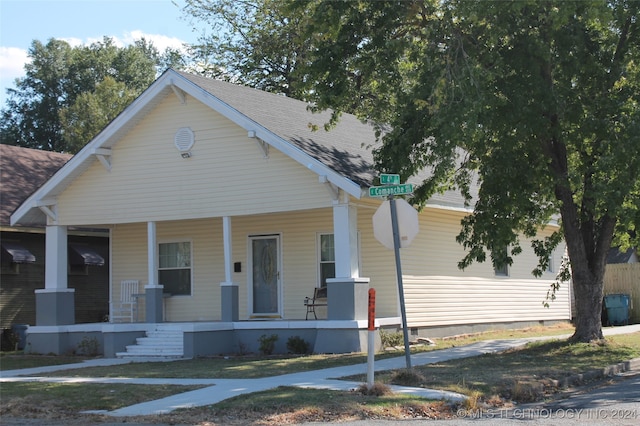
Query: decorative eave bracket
x=179, y=93
x=47, y=206
x=104, y=156
x=333, y=190
x=264, y=147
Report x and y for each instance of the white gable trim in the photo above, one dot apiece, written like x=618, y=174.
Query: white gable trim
x=99, y=148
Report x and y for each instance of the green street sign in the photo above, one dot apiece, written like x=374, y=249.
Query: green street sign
x=389, y=179
x=385, y=191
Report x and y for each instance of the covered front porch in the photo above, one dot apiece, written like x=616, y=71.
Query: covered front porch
x=227, y=315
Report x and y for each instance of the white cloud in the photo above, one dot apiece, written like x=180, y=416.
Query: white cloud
x=161, y=42
x=12, y=61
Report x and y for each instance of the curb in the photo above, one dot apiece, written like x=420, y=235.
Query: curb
x=611, y=370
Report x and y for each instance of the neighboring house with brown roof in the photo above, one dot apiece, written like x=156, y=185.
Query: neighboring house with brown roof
x=226, y=209
x=23, y=171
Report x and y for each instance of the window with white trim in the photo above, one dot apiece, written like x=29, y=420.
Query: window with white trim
x=174, y=268
x=327, y=260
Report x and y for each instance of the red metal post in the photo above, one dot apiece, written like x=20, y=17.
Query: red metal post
x=372, y=309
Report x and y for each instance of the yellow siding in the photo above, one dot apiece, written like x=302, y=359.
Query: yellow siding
x=438, y=293
x=377, y=264
x=129, y=261
x=299, y=268
x=437, y=301
x=226, y=175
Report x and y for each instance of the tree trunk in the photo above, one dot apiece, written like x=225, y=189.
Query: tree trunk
x=588, y=293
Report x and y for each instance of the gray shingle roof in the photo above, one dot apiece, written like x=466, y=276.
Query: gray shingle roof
x=343, y=148
x=617, y=256
x=346, y=148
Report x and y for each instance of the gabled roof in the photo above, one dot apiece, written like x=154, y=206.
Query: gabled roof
x=343, y=149
x=22, y=171
x=341, y=156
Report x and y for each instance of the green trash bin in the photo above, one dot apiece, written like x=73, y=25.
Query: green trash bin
x=617, y=306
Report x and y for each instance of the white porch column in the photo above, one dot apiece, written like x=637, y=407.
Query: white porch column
x=152, y=255
x=228, y=290
x=347, y=293
x=226, y=236
x=55, y=304
x=55, y=266
x=153, y=289
x=345, y=235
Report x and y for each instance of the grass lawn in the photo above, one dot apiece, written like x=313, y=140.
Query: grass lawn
x=523, y=375
x=253, y=366
x=519, y=375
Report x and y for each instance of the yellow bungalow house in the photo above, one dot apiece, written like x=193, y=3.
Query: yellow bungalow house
x=226, y=210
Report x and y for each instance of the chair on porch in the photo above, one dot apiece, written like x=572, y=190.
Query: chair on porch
x=124, y=310
x=319, y=299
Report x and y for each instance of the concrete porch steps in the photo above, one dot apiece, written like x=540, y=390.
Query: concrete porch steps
x=164, y=341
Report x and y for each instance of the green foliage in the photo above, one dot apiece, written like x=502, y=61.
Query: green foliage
x=533, y=106
x=9, y=340
x=88, y=346
x=391, y=339
x=86, y=117
x=297, y=345
x=255, y=42
x=267, y=343
x=70, y=93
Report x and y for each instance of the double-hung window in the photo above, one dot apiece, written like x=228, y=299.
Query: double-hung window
x=327, y=260
x=174, y=267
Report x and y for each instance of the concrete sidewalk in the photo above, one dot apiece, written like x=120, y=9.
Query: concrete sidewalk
x=221, y=389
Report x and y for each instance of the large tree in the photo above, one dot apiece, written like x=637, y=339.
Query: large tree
x=251, y=42
x=70, y=93
x=536, y=101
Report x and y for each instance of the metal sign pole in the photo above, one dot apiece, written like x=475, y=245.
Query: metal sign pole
x=396, y=247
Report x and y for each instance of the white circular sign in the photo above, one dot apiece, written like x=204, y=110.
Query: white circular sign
x=407, y=223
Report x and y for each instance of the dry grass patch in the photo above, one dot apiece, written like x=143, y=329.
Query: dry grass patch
x=286, y=405
x=525, y=374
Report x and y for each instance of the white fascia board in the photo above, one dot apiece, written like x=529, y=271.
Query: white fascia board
x=449, y=208
x=267, y=136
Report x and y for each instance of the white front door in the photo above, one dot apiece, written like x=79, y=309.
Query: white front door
x=265, y=286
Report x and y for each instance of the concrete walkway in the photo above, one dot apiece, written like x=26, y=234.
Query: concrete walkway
x=217, y=390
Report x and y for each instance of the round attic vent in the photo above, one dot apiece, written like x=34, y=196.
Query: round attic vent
x=184, y=139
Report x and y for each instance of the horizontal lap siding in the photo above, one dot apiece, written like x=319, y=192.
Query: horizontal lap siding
x=441, y=300
x=438, y=293
x=226, y=175
x=299, y=273
x=128, y=256
x=298, y=233
x=377, y=264
x=129, y=247
x=207, y=256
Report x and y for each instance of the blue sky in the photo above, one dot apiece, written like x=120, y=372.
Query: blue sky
x=82, y=22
